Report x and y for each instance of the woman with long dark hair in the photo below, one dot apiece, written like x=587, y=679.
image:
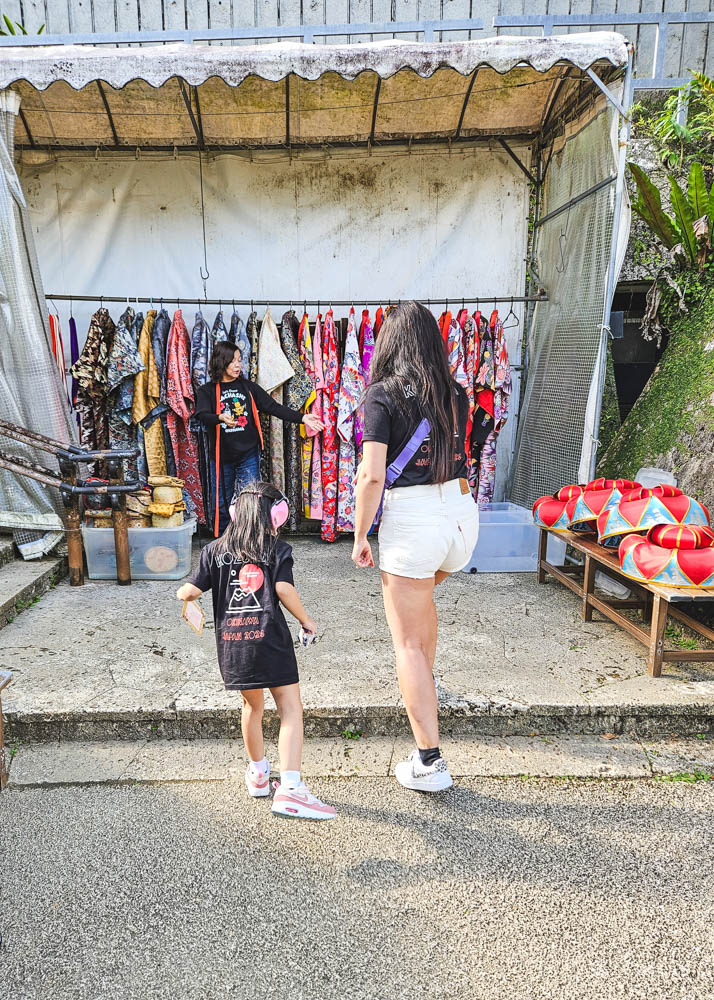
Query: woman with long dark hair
x=415, y=419
x=228, y=408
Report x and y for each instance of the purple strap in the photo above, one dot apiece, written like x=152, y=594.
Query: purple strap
x=397, y=467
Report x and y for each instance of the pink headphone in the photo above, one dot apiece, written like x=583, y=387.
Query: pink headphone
x=279, y=510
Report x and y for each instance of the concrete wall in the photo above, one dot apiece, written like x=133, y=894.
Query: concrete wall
x=690, y=47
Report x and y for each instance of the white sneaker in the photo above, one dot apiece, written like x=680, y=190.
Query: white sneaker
x=257, y=783
x=413, y=774
x=300, y=803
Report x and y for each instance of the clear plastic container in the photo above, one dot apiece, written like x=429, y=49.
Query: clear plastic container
x=649, y=476
x=154, y=553
x=508, y=542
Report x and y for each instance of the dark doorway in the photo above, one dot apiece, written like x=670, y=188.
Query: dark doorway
x=634, y=358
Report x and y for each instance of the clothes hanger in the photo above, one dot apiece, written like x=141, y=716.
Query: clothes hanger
x=506, y=324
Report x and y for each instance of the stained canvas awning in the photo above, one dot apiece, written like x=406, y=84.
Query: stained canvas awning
x=293, y=94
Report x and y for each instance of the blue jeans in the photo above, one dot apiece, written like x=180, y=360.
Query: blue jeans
x=234, y=476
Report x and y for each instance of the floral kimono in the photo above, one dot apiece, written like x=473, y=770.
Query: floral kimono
x=493, y=390
x=238, y=336
x=90, y=371
x=159, y=342
x=124, y=365
x=146, y=405
x=180, y=399
x=331, y=375
x=352, y=388
x=314, y=499
x=366, y=344
x=296, y=393
x=274, y=369
x=455, y=352
x=308, y=443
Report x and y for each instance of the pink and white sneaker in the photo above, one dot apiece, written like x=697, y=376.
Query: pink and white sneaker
x=300, y=803
x=258, y=784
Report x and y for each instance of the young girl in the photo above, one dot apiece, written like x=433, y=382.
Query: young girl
x=249, y=571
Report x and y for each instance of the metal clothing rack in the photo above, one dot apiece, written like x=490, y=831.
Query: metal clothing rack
x=159, y=299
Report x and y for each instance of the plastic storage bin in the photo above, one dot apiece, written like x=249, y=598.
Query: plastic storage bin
x=169, y=548
x=508, y=542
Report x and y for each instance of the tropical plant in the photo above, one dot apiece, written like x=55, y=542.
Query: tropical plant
x=690, y=230
x=677, y=135
x=15, y=28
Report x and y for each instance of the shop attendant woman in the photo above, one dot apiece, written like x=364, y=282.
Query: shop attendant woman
x=415, y=418
x=228, y=407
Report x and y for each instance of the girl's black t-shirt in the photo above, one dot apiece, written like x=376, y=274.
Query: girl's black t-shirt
x=253, y=641
x=235, y=398
x=392, y=422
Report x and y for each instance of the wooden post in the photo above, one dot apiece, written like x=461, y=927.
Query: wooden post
x=72, y=520
x=656, y=646
x=542, y=554
x=588, y=587
x=119, y=519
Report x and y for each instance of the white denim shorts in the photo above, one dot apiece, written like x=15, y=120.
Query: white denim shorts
x=427, y=529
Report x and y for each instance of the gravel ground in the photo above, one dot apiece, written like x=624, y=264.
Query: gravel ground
x=498, y=889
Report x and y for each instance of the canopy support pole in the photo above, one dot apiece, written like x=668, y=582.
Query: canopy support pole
x=623, y=139
x=607, y=92
x=467, y=95
x=374, y=110
x=31, y=140
x=197, y=128
x=517, y=161
x=287, y=110
x=105, y=102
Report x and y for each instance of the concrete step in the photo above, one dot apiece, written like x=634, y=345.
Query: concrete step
x=60, y=763
x=23, y=583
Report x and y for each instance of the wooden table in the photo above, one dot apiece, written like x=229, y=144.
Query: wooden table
x=657, y=603
x=5, y=678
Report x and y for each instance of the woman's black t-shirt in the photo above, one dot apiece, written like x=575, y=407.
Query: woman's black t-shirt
x=235, y=398
x=392, y=422
x=253, y=641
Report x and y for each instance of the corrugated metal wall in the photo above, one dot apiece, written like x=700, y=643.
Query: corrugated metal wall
x=689, y=47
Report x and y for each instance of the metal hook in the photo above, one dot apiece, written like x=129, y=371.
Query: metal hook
x=71, y=308
x=304, y=307
x=251, y=306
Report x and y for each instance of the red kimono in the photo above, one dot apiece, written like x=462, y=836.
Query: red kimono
x=181, y=402
x=331, y=393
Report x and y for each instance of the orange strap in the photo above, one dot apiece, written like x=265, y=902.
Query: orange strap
x=257, y=420
x=217, y=520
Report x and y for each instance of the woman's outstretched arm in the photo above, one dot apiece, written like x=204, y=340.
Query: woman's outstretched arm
x=368, y=493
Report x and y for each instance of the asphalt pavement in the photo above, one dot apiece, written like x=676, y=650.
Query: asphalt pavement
x=500, y=888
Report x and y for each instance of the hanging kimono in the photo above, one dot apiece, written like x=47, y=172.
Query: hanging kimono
x=200, y=356
x=313, y=501
x=146, y=405
x=159, y=342
x=493, y=389
x=238, y=336
x=90, y=371
x=455, y=353
x=297, y=391
x=218, y=331
x=273, y=370
x=124, y=365
x=252, y=336
x=352, y=386
x=331, y=375
x=180, y=399
x=307, y=443
x=378, y=320
x=366, y=343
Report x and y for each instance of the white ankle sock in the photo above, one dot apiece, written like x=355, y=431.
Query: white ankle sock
x=261, y=766
x=291, y=779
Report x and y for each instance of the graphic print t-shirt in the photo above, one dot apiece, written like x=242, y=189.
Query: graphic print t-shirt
x=253, y=641
x=235, y=399
x=392, y=422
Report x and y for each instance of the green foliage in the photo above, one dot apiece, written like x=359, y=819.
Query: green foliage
x=649, y=207
x=679, y=141
x=678, y=230
x=15, y=28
